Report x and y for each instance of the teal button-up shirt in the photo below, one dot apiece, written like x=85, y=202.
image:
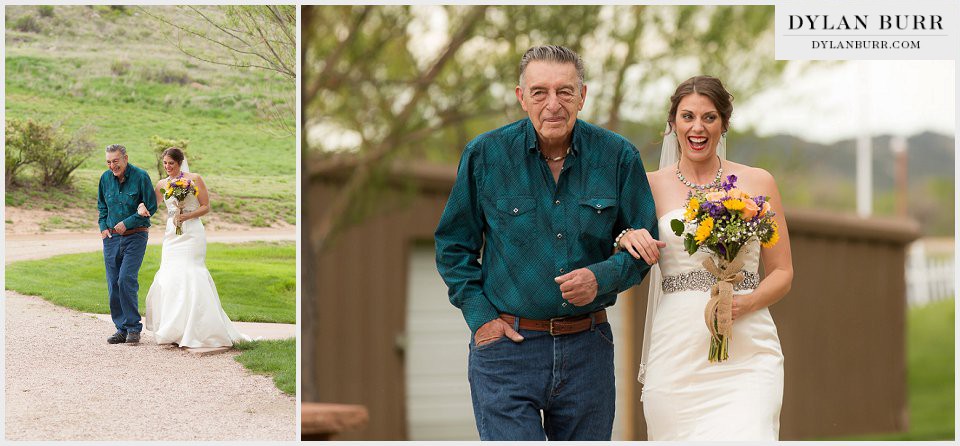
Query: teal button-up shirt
x=529, y=229
x=118, y=201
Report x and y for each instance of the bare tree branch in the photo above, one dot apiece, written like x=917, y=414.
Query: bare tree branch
x=334, y=56
x=229, y=32
x=377, y=154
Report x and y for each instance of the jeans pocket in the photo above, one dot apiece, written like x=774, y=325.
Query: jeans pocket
x=480, y=348
x=605, y=332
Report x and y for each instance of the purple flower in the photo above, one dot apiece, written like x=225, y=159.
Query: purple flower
x=729, y=184
x=722, y=250
x=759, y=200
x=717, y=210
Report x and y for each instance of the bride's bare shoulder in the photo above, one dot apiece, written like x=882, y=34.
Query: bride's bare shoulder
x=658, y=175
x=757, y=177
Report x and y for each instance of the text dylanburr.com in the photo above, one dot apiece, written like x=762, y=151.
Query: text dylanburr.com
x=865, y=44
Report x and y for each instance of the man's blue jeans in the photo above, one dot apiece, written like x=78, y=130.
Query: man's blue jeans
x=568, y=377
x=122, y=256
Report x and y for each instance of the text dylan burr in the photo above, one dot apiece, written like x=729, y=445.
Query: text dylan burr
x=861, y=22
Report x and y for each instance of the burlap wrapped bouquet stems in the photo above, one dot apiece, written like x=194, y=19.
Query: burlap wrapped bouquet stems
x=718, y=313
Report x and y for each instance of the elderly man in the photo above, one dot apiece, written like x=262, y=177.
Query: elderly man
x=122, y=188
x=543, y=200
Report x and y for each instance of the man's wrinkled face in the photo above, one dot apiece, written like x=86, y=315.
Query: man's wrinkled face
x=552, y=97
x=117, y=163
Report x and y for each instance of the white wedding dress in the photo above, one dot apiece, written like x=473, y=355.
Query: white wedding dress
x=686, y=397
x=183, y=306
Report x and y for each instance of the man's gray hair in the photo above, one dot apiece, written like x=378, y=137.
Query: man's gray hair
x=552, y=53
x=116, y=148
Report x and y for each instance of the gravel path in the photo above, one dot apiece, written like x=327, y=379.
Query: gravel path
x=64, y=382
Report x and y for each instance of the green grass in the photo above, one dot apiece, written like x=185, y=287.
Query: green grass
x=930, y=375
x=248, y=165
x=256, y=281
x=277, y=358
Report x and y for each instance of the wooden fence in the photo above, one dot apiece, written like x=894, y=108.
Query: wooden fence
x=930, y=274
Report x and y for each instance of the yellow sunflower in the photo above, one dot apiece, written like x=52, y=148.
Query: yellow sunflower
x=704, y=230
x=692, y=207
x=733, y=204
x=774, y=237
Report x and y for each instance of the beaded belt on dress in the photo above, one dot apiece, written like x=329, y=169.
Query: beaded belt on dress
x=702, y=280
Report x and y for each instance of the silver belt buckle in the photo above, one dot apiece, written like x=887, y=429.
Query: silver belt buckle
x=551, y=327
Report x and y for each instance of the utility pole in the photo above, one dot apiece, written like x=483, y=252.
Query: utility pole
x=864, y=149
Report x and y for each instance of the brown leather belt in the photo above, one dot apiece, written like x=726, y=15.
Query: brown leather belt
x=560, y=325
x=130, y=231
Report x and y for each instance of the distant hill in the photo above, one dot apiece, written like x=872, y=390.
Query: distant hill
x=928, y=155
x=824, y=175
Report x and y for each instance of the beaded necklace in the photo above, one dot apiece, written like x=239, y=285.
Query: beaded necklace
x=715, y=184
x=558, y=158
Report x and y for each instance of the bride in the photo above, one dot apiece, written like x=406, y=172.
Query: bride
x=686, y=397
x=183, y=306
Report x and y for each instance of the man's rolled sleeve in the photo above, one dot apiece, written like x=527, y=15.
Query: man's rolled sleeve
x=637, y=210
x=459, y=239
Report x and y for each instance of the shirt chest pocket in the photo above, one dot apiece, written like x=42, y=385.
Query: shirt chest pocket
x=124, y=199
x=516, y=218
x=597, y=216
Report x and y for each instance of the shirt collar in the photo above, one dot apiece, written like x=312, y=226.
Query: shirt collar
x=125, y=174
x=532, y=143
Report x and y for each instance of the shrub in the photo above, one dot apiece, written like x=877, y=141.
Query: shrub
x=23, y=138
x=119, y=67
x=160, y=144
x=45, y=11
x=57, y=163
x=111, y=11
x=54, y=153
x=166, y=75
x=27, y=24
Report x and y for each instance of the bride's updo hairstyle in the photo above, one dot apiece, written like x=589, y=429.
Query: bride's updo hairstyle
x=174, y=154
x=708, y=86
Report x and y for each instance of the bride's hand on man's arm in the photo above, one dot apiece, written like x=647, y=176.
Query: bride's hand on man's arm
x=142, y=210
x=639, y=243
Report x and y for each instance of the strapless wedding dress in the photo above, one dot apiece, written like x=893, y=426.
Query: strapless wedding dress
x=183, y=306
x=686, y=397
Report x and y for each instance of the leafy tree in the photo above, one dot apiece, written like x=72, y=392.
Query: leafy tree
x=368, y=79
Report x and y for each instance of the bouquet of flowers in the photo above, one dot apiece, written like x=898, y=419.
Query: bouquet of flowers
x=179, y=189
x=722, y=221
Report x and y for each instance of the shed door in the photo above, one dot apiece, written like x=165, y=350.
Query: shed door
x=438, y=394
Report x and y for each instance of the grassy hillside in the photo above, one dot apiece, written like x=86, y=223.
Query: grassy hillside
x=115, y=68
